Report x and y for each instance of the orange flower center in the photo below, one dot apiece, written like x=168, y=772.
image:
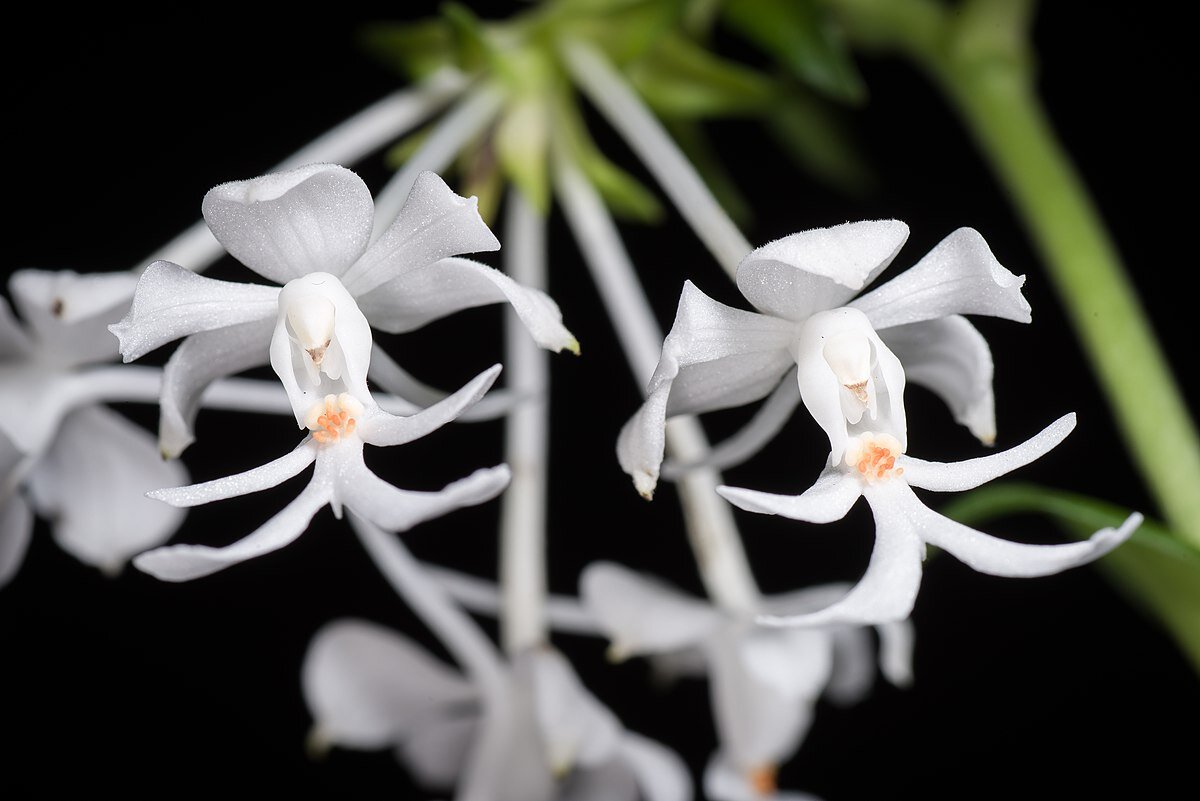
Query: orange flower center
x=334, y=417
x=762, y=780
x=874, y=456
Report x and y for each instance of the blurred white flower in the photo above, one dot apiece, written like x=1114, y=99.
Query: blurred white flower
x=538, y=735
x=847, y=354
x=875, y=466
x=765, y=683
x=307, y=227
x=80, y=465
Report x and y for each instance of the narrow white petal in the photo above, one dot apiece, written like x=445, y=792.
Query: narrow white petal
x=16, y=525
x=198, y=361
x=269, y=475
x=482, y=596
x=92, y=484
x=853, y=665
x=951, y=358
x=387, y=429
x=434, y=223
x=959, y=476
x=959, y=276
x=661, y=774
x=824, y=502
x=642, y=615
x=389, y=376
x=172, y=302
x=70, y=312
x=399, y=510
x=811, y=271
x=432, y=291
x=896, y=642
x=187, y=562
x=576, y=728
x=369, y=687
x=283, y=225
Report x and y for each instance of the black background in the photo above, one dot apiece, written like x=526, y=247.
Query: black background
x=1048, y=688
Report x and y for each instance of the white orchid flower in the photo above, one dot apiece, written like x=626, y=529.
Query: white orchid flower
x=310, y=229
x=876, y=467
x=63, y=454
x=765, y=683
x=846, y=352
x=539, y=735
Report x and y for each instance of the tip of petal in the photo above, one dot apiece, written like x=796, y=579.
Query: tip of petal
x=573, y=346
x=645, y=484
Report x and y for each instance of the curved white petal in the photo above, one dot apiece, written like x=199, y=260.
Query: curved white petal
x=434, y=223
x=437, y=752
x=824, y=502
x=16, y=526
x=187, y=562
x=809, y=271
x=959, y=276
x=172, y=302
x=369, y=687
x=888, y=589
x=642, y=615
x=399, y=510
x=959, y=476
x=387, y=429
x=70, y=312
x=660, y=773
x=896, y=642
x=315, y=218
x=578, y=730
x=265, y=476
x=432, y=291
x=951, y=358
x=92, y=484
x=386, y=374
x=715, y=357
x=752, y=437
x=198, y=361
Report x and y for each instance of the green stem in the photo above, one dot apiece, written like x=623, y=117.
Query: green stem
x=980, y=58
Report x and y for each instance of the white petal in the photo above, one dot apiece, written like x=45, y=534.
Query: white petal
x=172, y=302
x=399, y=510
x=724, y=782
x=959, y=476
x=387, y=429
x=660, y=773
x=430, y=292
x=896, y=651
x=715, y=357
x=989, y=554
x=198, y=361
x=92, y=484
x=751, y=438
x=889, y=587
x=14, y=342
x=315, y=218
x=389, y=376
x=187, y=562
x=951, y=358
x=959, y=276
x=611, y=781
x=34, y=397
x=643, y=615
x=434, y=223
x=16, y=525
x=269, y=475
x=853, y=665
x=810, y=271
x=70, y=312
x=369, y=687
x=437, y=752
x=508, y=760
x=576, y=728
x=824, y=502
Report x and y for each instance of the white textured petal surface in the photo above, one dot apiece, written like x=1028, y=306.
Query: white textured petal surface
x=399, y=510
x=660, y=773
x=269, y=475
x=810, y=271
x=70, y=312
x=715, y=357
x=92, y=484
x=198, y=361
x=16, y=526
x=369, y=687
x=386, y=429
x=642, y=615
x=824, y=502
x=434, y=223
x=577, y=729
x=387, y=375
x=951, y=358
x=187, y=562
x=959, y=276
x=959, y=476
x=430, y=292
x=287, y=224
x=172, y=302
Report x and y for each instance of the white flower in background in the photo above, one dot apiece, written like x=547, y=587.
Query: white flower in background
x=310, y=229
x=80, y=465
x=875, y=466
x=847, y=354
x=539, y=735
x=764, y=682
